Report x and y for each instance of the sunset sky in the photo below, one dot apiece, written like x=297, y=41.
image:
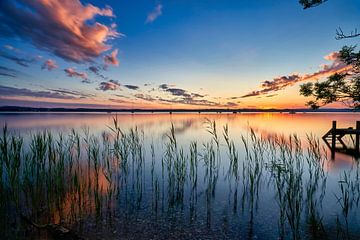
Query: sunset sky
x=168, y=54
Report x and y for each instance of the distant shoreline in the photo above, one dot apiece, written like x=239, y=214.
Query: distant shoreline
x=212, y=110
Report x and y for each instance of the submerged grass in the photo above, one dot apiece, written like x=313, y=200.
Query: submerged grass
x=79, y=177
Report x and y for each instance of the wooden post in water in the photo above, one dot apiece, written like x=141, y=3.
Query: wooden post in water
x=357, y=137
x=333, y=140
x=333, y=135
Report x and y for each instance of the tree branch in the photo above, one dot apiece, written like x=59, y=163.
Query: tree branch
x=311, y=3
x=340, y=34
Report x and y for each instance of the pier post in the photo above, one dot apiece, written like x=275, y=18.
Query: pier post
x=357, y=137
x=333, y=139
x=333, y=135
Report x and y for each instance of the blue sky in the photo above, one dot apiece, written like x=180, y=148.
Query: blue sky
x=217, y=49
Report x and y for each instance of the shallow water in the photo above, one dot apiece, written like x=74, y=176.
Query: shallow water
x=158, y=193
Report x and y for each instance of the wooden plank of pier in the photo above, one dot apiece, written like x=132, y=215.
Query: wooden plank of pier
x=336, y=135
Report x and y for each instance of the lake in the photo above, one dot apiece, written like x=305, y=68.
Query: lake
x=183, y=176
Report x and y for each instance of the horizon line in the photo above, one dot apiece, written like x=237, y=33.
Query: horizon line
x=169, y=110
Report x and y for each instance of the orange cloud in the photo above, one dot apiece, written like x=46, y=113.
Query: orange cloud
x=332, y=56
x=282, y=82
x=337, y=66
x=63, y=27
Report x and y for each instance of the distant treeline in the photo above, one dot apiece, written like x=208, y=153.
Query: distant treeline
x=210, y=110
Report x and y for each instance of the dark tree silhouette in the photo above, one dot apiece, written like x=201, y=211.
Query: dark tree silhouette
x=311, y=3
x=343, y=88
x=337, y=88
x=349, y=56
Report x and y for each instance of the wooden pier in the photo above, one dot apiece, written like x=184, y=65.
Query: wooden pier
x=334, y=137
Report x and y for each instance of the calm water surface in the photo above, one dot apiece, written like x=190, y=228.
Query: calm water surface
x=159, y=193
x=189, y=126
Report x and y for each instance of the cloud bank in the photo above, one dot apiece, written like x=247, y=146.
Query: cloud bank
x=282, y=82
x=181, y=96
x=58, y=94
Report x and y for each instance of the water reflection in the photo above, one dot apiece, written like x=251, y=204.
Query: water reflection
x=190, y=126
x=218, y=179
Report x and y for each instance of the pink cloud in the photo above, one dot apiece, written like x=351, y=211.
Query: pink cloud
x=154, y=14
x=72, y=73
x=110, y=85
x=49, y=65
x=112, y=58
x=63, y=27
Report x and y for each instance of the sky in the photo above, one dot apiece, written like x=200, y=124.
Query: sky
x=168, y=54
